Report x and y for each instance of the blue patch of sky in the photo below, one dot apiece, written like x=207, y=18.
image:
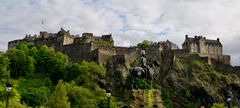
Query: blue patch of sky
x=164, y=32
x=125, y=27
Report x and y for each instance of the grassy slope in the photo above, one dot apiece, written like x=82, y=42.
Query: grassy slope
x=33, y=82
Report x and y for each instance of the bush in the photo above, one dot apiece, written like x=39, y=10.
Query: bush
x=104, y=104
x=35, y=96
x=155, y=86
x=167, y=98
x=141, y=83
x=144, y=44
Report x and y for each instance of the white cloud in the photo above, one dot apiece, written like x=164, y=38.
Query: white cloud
x=129, y=21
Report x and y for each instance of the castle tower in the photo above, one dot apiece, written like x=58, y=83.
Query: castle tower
x=64, y=37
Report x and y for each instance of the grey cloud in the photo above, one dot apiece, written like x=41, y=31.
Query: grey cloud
x=129, y=21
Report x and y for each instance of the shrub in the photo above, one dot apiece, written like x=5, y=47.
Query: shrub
x=141, y=83
x=35, y=96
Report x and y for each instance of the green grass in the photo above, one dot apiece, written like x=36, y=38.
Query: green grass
x=199, y=63
x=33, y=82
x=102, y=42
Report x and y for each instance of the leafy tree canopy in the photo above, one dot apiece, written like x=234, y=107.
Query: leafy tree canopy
x=144, y=44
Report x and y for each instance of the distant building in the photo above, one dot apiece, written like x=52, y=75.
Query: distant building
x=200, y=44
x=205, y=48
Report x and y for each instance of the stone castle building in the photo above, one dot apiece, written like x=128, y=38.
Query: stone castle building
x=205, y=48
x=101, y=49
x=88, y=47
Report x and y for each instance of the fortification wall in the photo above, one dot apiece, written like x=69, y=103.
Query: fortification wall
x=181, y=53
x=119, y=59
x=219, y=57
x=13, y=44
x=105, y=54
x=78, y=52
x=153, y=53
x=121, y=50
x=77, y=40
x=132, y=55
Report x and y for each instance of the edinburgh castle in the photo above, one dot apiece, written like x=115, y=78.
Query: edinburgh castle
x=101, y=49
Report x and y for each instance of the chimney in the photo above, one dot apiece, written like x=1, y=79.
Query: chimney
x=218, y=39
x=186, y=36
x=195, y=36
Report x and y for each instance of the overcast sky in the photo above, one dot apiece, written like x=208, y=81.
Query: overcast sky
x=130, y=21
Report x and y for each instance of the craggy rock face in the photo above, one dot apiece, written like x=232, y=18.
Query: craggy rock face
x=200, y=93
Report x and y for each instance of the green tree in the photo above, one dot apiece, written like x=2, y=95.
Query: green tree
x=91, y=74
x=50, y=63
x=73, y=72
x=43, y=59
x=144, y=44
x=82, y=97
x=35, y=96
x=58, y=64
x=20, y=63
x=23, y=47
x=4, y=64
x=59, y=97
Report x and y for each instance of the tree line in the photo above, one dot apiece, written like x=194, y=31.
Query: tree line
x=72, y=84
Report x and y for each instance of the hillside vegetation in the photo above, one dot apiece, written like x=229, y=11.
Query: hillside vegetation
x=43, y=78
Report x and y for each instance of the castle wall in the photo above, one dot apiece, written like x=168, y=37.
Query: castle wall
x=68, y=40
x=13, y=44
x=213, y=49
x=153, y=52
x=132, y=55
x=181, y=53
x=210, y=47
x=121, y=50
x=202, y=47
x=223, y=58
x=78, y=52
x=104, y=54
x=119, y=59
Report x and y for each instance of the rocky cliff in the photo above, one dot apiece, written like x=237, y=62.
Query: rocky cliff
x=184, y=82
